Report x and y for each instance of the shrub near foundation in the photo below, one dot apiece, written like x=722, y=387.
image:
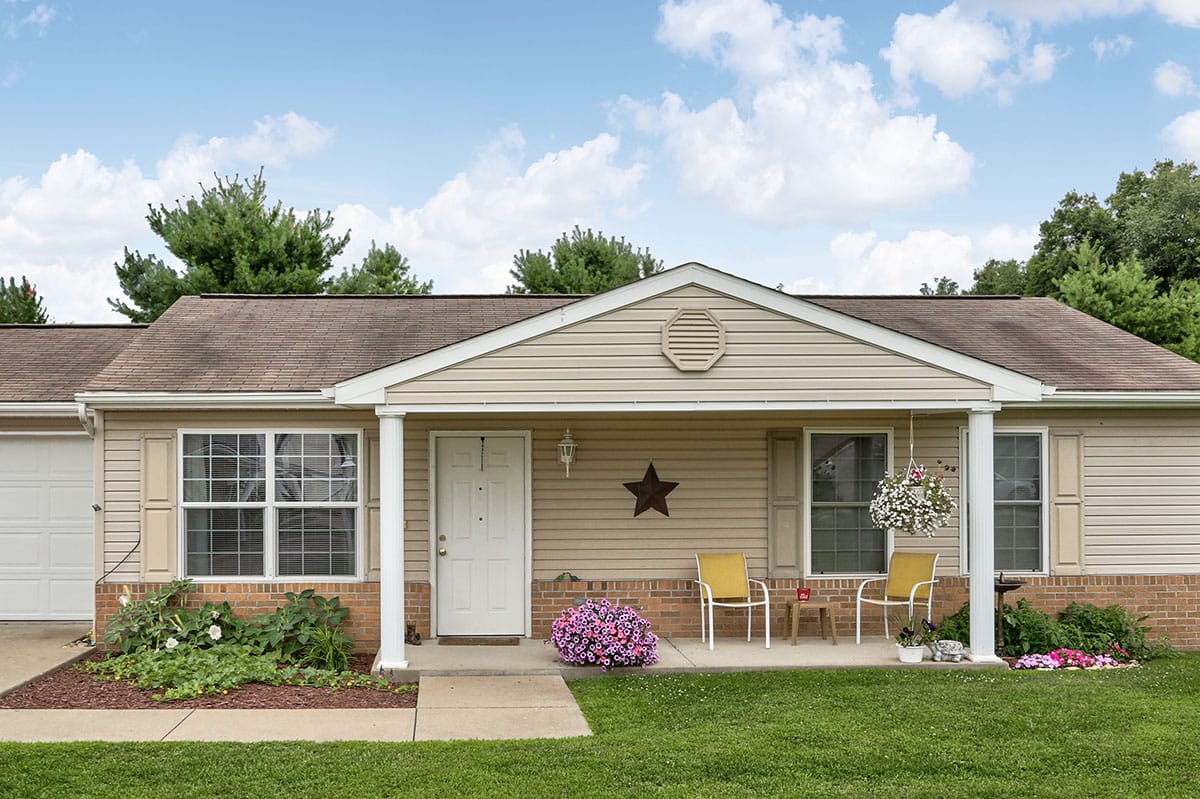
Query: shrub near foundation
x=1079, y=627
x=185, y=652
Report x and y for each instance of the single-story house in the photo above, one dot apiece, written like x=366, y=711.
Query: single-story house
x=47, y=555
x=404, y=453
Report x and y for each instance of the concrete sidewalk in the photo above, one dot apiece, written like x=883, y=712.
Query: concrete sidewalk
x=448, y=708
x=29, y=649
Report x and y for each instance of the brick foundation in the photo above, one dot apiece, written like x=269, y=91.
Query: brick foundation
x=1172, y=603
x=255, y=599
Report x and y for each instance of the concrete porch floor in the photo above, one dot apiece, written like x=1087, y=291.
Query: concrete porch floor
x=534, y=656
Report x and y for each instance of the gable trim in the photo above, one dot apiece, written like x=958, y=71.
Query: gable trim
x=371, y=388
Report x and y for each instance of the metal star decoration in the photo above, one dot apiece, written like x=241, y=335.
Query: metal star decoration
x=651, y=492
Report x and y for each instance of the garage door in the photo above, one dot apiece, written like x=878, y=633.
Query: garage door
x=45, y=527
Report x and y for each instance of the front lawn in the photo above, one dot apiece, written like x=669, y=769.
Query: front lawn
x=911, y=733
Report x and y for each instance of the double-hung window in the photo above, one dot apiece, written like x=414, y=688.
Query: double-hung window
x=270, y=504
x=1018, y=500
x=844, y=469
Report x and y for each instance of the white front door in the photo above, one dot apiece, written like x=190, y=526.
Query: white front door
x=479, y=540
x=46, y=527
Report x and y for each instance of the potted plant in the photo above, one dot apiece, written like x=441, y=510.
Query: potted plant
x=913, y=500
x=913, y=638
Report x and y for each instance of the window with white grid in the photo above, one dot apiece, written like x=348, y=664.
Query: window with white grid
x=291, y=513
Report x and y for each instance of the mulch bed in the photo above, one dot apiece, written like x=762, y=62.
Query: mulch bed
x=73, y=688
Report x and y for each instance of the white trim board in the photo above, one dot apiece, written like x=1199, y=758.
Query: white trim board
x=371, y=388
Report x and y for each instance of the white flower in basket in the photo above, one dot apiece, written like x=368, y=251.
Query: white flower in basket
x=913, y=500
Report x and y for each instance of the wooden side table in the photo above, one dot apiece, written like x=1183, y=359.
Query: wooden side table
x=825, y=611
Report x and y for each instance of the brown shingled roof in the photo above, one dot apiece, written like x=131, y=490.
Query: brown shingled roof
x=1036, y=336
x=231, y=343
x=300, y=343
x=49, y=363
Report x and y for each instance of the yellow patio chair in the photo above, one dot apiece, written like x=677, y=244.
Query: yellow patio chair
x=909, y=578
x=725, y=582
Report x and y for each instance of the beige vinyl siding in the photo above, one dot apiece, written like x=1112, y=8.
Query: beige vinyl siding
x=618, y=358
x=585, y=524
x=1141, y=487
x=123, y=439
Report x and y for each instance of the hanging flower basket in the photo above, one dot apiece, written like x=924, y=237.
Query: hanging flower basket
x=913, y=501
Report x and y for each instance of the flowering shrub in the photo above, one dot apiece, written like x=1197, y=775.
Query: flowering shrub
x=605, y=635
x=1066, y=659
x=913, y=500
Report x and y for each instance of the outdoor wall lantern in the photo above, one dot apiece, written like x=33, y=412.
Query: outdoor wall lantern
x=566, y=451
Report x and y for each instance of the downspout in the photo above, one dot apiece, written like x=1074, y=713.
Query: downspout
x=89, y=425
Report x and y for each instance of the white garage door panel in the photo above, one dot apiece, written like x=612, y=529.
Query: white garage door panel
x=46, y=551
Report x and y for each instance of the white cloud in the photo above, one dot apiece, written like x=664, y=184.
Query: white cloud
x=1183, y=135
x=65, y=228
x=12, y=76
x=961, y=54
x=1173, y=80
x=274, y=142
x=1178, y=12
x=40, y=18
x=806, y=138
x=866, y=265
x=1116, y=47
x=749, y=37
x=465, y=235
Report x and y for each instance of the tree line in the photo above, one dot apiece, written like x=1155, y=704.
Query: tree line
x=1132, y=260
x=230, y=240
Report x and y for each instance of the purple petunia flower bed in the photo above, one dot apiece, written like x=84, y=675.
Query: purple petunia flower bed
x=1074, y=659
x=605, y=635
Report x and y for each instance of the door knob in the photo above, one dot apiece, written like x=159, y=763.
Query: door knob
x=442, y=551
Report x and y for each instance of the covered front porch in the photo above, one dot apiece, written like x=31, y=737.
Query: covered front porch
x=696, y=375
x=676, y=655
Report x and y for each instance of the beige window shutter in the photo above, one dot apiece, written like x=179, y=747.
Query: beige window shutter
x=1066, y=504
x=160, y=532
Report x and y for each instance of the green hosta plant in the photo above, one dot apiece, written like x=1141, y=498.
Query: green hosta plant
x=288, y=631
x=185, y=672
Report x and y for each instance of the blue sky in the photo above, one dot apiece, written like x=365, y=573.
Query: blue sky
x=853, y=147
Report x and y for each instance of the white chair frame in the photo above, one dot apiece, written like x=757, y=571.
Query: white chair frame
x=886, y=603
x=708, y=632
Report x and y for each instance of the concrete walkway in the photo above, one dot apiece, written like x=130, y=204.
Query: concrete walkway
x=448, y=708
x=29, y=649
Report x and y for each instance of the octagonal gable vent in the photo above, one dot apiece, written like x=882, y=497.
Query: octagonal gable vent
x=693, y=339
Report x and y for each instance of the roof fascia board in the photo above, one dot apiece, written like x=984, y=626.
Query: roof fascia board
x=16, y=409
x=371, y=387
x=690, y=407
x=152, y=400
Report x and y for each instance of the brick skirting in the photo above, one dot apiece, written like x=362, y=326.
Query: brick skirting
x=1172, y=603
x=255, y=599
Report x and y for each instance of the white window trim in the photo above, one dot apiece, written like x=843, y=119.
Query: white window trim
x=270, y=544
x=890, y=464
x=1043, y=479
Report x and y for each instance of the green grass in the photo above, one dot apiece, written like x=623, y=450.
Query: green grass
x=910, y=733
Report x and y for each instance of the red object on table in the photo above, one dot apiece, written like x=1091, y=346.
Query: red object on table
x=803, y=594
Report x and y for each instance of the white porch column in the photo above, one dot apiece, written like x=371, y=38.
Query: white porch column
x=981, y=536
x=391, y=539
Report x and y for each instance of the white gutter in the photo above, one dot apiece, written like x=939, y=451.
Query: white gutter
x=58, y=409
x=89, y=424
x=698, y=406
x=203, y=400
x=1101, y=399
